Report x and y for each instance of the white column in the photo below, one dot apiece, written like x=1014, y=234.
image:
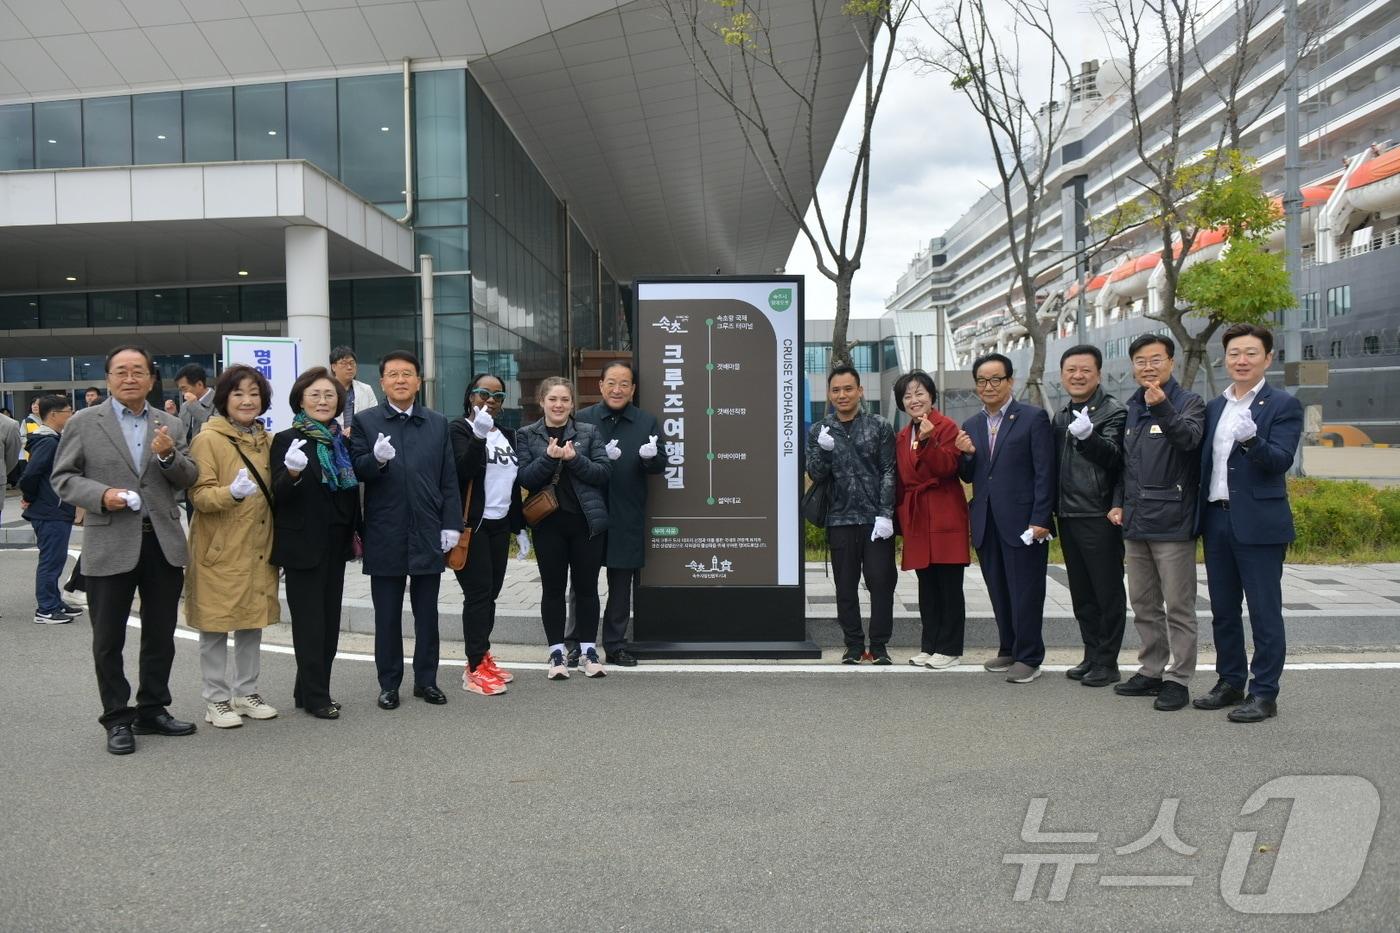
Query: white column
x=309, y=294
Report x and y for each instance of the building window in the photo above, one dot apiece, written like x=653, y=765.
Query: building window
x=113, y=309
x=1335, y=351
x=1372, y=345
x=209, y=125
x=371, y=137
x=311, y=124
x=16, y=137
x=163, y=306
x=440, y=117
x=1309, y=353
x=157, y=128
x=58, y=134
x=1310, y=309
x=863, y=358
x=260, y=121
x=107, y=131
x=63, y=310
x=817, y=358
x=1339, y=301
x=19, y=312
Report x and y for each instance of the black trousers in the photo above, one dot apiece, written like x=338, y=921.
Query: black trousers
x=622, y=592
x=481, y=581
x=853, y=554
x=109, y=604
x=387, y=595
x=1093, y=549
x=942, y=609
x=566, y=553
x=313, y=595
x=1015, y=578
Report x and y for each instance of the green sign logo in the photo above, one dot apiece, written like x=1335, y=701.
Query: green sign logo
x=665, y=531
x=780, y=299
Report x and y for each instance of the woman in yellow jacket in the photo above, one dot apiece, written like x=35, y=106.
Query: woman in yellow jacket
x=230, y=586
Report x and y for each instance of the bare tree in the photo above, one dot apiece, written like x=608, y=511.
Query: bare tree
x=1158, y=39
x=736, y=57
x=985, y=62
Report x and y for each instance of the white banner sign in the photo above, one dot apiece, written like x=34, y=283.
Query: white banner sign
x=279, y=360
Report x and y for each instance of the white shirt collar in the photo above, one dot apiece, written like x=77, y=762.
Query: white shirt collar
x=402, y=411
x=1229, y=392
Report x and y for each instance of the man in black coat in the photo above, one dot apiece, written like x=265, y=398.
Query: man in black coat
x=413, y=516
x=51, y=517
x=629, y=436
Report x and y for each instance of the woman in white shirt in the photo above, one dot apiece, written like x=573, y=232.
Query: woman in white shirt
x=486, y=462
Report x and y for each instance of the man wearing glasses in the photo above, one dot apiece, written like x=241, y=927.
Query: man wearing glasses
x=1008, y=455
x=358, y=395
x=124, y=462
x=1155, y=504
x=630, y=436
x=1252, y=433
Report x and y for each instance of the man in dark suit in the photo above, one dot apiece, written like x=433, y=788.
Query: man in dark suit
x=413, y=516
x=124, y=462
x=1252, y=433
x=1008, y=455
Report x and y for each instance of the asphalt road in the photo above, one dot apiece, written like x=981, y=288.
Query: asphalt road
x=657, y=801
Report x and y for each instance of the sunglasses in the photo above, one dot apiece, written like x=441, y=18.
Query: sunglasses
x=487, y=393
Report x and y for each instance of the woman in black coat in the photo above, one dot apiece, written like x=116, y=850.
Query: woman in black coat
x=316, y=511
x=486, y=468
x=569, y=543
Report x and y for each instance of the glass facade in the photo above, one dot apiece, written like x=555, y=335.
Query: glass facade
x=517, y=285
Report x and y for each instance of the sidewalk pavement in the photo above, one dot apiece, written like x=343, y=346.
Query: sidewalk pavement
x=1366, y=597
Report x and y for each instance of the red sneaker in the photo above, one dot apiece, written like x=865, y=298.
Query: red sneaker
x=500, y=673
x=480, y=681
x=867, y=658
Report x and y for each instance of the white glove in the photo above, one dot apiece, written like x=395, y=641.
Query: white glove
x=648, y=450
x=133, y=500
x=482, y=423
x=884, y=528
x=295, y=460
x=824, y=439
x=522, y=541
x=1081, y=427
x=384, y=450
x=242, y=486
x=610, y=448
x=1245, y=428
x=450, y=539
x=1028, y=538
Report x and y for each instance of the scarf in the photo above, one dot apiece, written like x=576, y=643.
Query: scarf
x=336, y=469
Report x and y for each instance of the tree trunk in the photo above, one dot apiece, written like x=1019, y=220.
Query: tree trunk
x=840, y=347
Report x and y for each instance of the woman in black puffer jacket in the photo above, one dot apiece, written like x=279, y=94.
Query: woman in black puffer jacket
x=569, y=543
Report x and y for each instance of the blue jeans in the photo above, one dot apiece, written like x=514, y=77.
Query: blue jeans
x=53, y=554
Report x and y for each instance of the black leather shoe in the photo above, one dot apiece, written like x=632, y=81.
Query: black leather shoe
x=120, y=741
x=162, y=724
x=388, y=699
x=431, y=694
x=326, y=712
x=1254, y=709
x=1139, y=685
x=1078, y=671
x=1172, y=697
x=622, y=658
x=1101, y=676
x=571, y=659
x=1220, y=696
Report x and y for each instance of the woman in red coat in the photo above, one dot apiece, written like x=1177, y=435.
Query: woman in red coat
x=931, y=509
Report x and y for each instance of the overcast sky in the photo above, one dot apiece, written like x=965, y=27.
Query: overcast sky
x=930, y=162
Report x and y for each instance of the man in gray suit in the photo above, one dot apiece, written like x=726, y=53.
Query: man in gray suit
x=124, y=462
x=192, y=381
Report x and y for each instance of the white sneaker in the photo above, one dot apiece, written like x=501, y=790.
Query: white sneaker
x=222, y=716
x=920, y=659
x=253, y=707
x=941, y=662
x=74, y=597
x=592, y=667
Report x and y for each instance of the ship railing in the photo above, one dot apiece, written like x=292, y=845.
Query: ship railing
x=1384, y=240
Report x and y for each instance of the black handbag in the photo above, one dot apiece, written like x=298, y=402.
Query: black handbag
x=816, y=502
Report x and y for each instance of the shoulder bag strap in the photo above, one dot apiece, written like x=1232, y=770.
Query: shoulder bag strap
x=257, y=477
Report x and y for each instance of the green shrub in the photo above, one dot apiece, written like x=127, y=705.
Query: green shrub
x=1388, y=501
x=1341, y=518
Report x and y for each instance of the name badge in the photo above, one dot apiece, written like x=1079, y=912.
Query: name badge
x=1155, y=429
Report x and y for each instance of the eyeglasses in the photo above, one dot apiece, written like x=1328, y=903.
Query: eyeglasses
x=320, y=396
x=991, y=382
x=487, y=393
x=122, y=375
x=401, y=374
x=1155, y=362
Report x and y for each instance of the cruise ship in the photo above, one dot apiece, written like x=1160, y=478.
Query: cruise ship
x=1349, y=288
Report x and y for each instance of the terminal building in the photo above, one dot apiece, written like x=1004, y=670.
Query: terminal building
x=173, y=172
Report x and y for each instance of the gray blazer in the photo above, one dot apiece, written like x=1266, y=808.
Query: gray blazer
x=193, y=415
x=93, y=457
x=10, y=443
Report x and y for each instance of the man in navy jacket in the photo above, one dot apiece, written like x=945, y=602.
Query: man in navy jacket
x=1009, y=458
x=1252, y=433
x=51, y=517
x=413, y=516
